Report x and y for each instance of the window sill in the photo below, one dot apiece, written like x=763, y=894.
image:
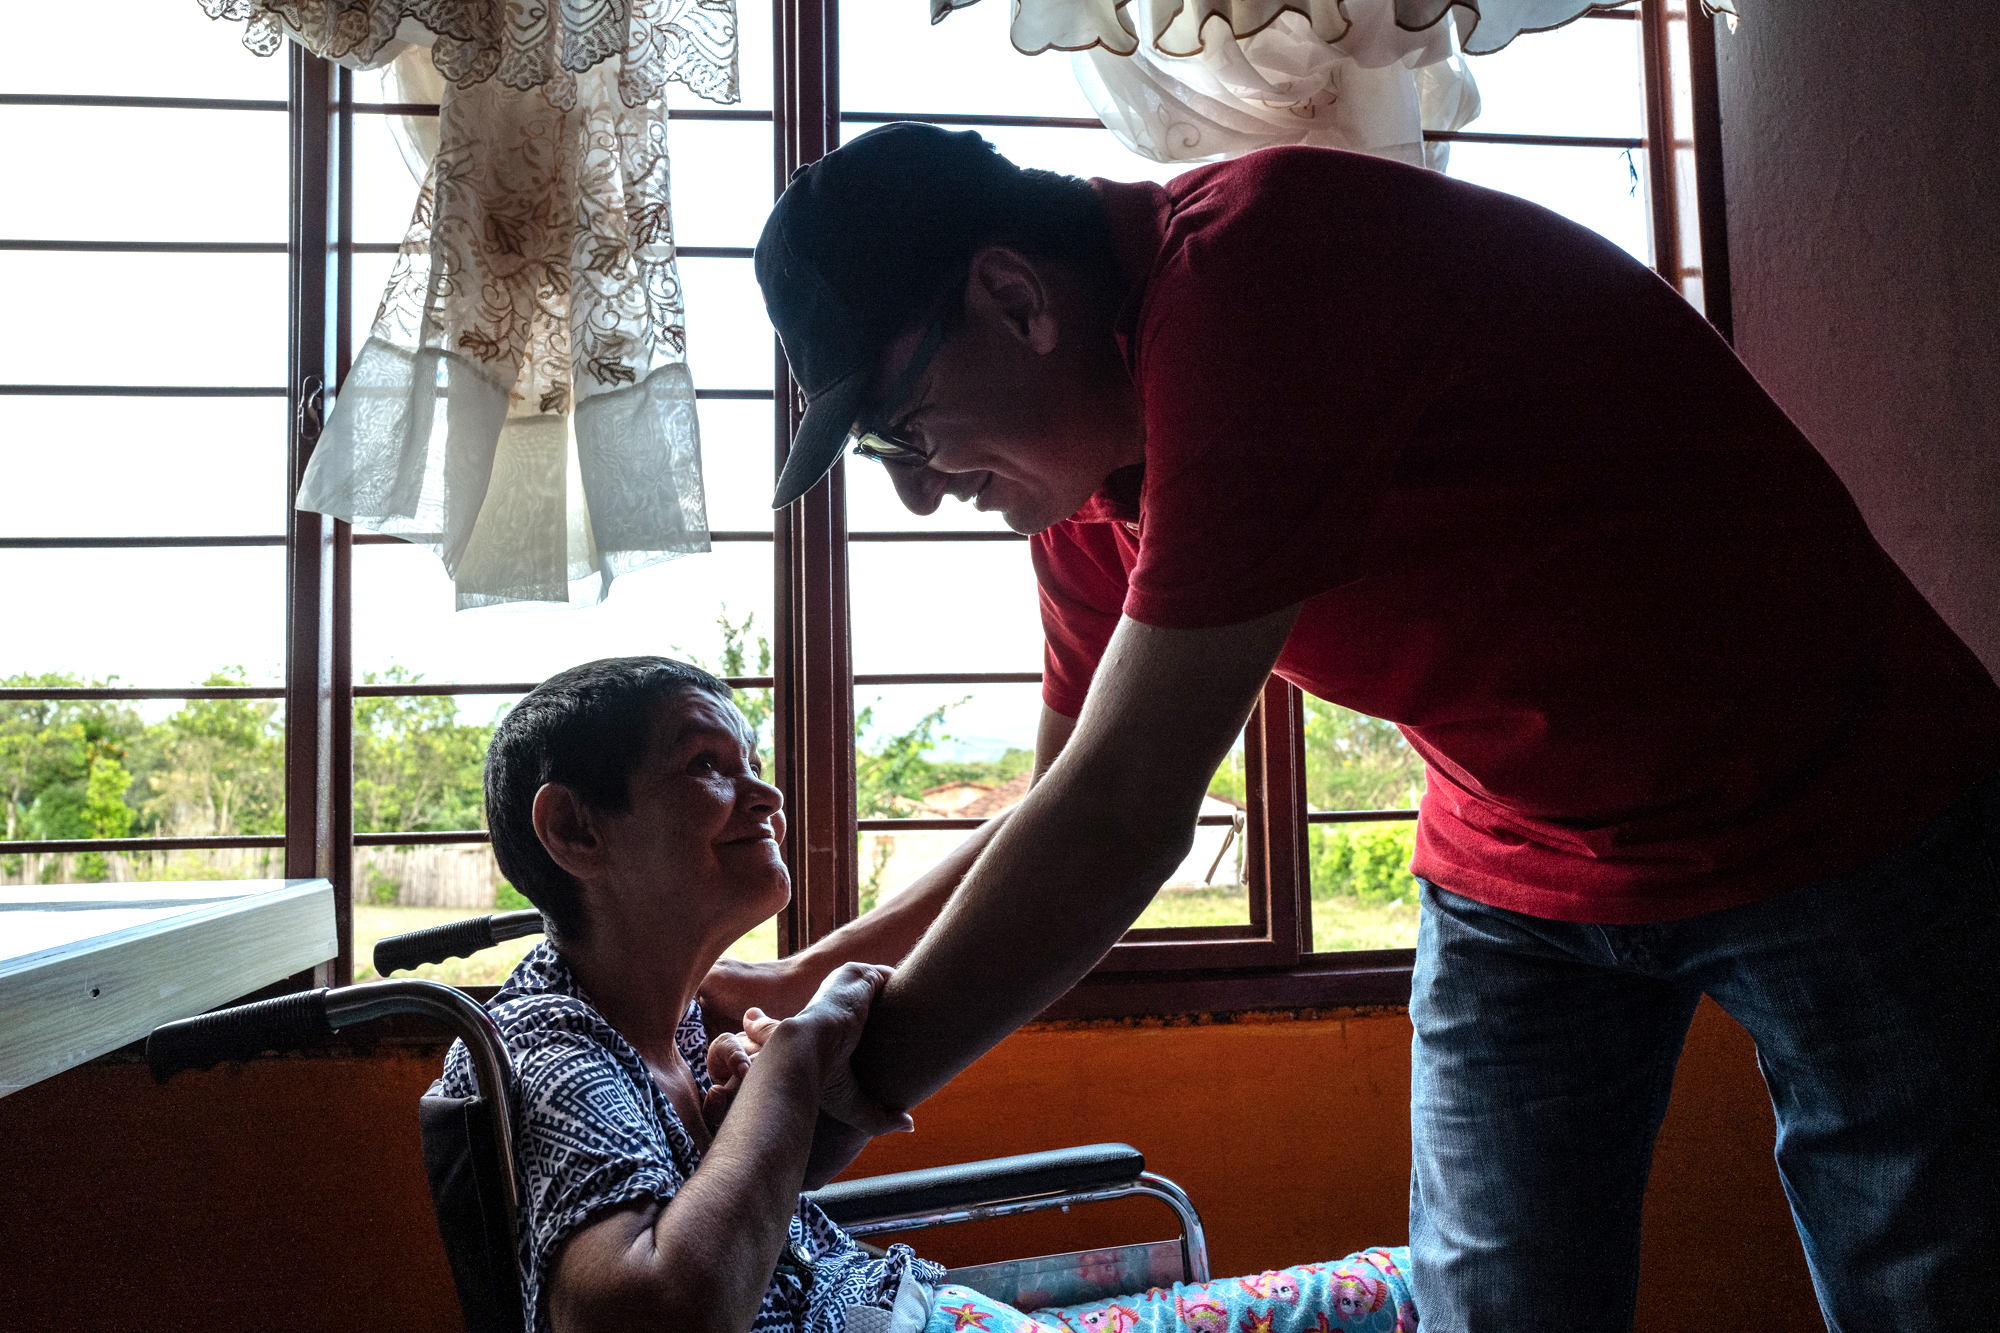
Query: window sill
x=1318, y=981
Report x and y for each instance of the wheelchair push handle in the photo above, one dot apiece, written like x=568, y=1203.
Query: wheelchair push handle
x=454, y=939
x=207, y=1040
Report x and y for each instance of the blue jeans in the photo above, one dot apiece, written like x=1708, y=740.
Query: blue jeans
x=1545, y=1051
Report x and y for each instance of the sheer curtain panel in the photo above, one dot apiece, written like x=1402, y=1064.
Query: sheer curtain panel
x=1206, y=80
x=522, y=405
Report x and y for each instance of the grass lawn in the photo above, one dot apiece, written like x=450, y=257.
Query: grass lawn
x=1338, y=922
x=490, y=967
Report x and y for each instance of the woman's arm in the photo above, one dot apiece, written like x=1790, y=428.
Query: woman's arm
x=703, y=1260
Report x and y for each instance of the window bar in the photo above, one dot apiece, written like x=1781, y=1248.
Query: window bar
x=1357, y=816
x=143, y=391
x=946, y=118
x=674, y=113
x=813, y=732
x=122, y=692
x=1274, y=754
x=1660, y=142
x=61, y=846
x=315, y=731
x=1705, y=100
x=949, y=823
x=124, y=543
x=1532, y=140
x=942, y=536
x=144, y=103
x=147, y=247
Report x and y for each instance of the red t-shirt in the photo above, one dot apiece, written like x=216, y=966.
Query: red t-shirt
x=1538, y=515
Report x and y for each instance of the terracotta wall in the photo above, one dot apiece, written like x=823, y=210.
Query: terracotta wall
x=289, y=1193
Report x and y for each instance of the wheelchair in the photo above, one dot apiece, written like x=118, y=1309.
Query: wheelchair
x=468, y=1147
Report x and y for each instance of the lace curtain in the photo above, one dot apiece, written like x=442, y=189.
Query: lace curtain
x=1202, y=80
x=522, y=405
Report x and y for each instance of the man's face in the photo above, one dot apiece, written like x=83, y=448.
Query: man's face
x=1016, y=417
x=701, y=832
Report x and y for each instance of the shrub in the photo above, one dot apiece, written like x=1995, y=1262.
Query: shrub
x=507, y=898
x=1370, y=862
x=382, y=889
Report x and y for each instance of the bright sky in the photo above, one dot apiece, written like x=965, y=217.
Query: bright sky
x=78, y=466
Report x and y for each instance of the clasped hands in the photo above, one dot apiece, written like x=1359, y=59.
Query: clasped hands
x=828, y=1028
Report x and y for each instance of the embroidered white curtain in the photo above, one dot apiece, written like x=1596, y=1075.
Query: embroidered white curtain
x=522, y=405
x=1204, y=80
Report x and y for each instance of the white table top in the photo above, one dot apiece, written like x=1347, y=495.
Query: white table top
x=86, y=968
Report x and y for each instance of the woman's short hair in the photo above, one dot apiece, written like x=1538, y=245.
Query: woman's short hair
x=586, y=729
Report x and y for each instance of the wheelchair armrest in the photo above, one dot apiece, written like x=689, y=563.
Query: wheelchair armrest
x=967, y=1184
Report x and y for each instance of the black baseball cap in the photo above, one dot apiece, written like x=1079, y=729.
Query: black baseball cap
x=862, y=243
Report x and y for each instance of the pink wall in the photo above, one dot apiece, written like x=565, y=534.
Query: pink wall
x=1864, y=236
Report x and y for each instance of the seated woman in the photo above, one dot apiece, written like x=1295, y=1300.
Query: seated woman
x=661, y=1171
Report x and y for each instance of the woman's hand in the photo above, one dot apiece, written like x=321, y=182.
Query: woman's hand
x=733, y=989
x=833, y=1022
x=729, y=1057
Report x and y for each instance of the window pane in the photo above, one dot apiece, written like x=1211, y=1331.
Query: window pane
x=872, y=506
x=943, y=606
x=385, y=190
x=1581, y=79
x=737, y=449
x=144, y=319
x=1075, y=152
x=154, y=49
x=1363, y=896
x=107, y=467
x=722, y=176
x=125, y=174
x=966, y=752
x=178, y=769
x=893, y=59
x=403, y=616
x=729, y=338
x=152, y=618
x=935, y=751
x=1601, y=188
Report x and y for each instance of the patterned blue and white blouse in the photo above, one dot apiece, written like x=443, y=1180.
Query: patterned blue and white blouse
x=593, y=1132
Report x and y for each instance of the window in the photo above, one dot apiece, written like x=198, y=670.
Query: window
x=142, y=682
x=178, y=601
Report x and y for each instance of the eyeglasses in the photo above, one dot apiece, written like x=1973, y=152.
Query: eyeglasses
x=872, y=437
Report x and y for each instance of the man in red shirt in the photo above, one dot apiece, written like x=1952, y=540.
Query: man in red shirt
x=1687, y=728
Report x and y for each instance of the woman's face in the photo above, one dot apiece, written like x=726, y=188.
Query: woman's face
x=700, y=836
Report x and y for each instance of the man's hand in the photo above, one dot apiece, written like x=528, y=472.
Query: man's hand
x=729, y=1057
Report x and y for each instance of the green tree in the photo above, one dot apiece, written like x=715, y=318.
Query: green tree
x=217, y=765
x=49, y=751
x=1357, y=762
x=416, y=766
x=737, y=650
x=899, y=768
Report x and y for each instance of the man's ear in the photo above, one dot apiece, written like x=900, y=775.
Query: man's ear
x=1007, y=286
x=569, y=830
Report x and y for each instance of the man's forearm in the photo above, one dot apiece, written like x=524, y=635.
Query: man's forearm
x=1050, y=896
x=1079, y=859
